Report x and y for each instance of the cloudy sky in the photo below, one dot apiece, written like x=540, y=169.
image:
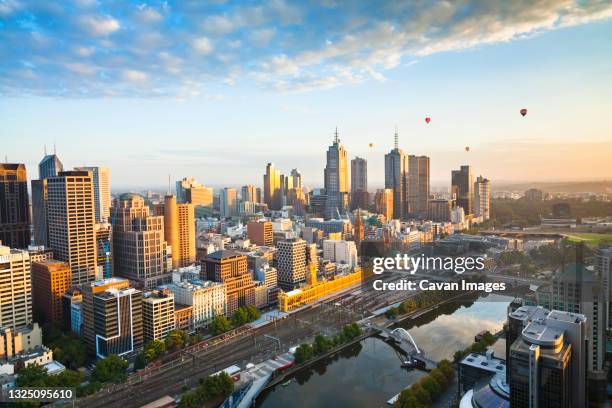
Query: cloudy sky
x=217, y=89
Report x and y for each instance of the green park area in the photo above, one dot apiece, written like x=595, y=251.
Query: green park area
x=590, y=238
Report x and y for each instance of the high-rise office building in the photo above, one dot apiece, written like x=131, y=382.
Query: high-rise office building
x=272, y=187
x=249, y=193
x=112, y=317
x=188, y=190
x=49, y=166
x=16, y=288
x=547, y=367
x=359, y=174
x=230, y=268
x=336, y=179
x=102, y=194
x=396, y=179
x=228, y=202
x=71, y=223
x=260, y=232
x=359, y=184
x=482, y=198
x=14, y=206
x=50, y=280
x=39, y=212
x=179, y=231
x=291, y=263
x=384, y=202
x=418, y=186
x=462, y=187
x=104, y=241
x=296, y=178
x=440, y=209
x=157, y=314
x=578, y=289
x=140, y=251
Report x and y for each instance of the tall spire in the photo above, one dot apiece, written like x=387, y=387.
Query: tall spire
x=336, y=138
x=45, y=150
x=54, y=149
x=396, y=141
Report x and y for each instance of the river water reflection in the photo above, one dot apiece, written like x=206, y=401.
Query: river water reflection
x=369, y=373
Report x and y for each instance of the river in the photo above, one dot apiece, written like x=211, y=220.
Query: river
x=367, y=374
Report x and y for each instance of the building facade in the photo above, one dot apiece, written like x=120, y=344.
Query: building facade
x=336, y=179
x=50, y=280
x=16, y=288
x=157, y=314
x=102, y=194
x=14, y=206
x=418, y=186
x=482, y=198
x=291, y=263
x=396, y=179
x=260, y=232
x=462, y=187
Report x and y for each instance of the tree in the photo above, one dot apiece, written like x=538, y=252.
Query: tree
x=439, y=376
x=407, y=400
x=303, y=353
x=421, y=394
x=321, y=344
x=67, y=378
x=447, y=369
x=140, y=362
x=252, y=312
x=220, y=325
x=112, y=368
x=431, y=385
x=33, y=375
x=154, y=349
x=176, y=340
x=240, y=317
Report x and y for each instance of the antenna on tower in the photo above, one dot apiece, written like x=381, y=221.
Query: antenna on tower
x=169, y=192
x=396, y=139
x=54, y=149
x=336, y=138
x=45, y=150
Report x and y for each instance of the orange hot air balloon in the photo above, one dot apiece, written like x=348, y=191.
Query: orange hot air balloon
x=428, y=119
x=467, y=148
x=523, y=111
x=371, y=145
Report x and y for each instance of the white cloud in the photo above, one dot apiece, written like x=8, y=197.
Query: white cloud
x=203, y=45
x=132, y=75
x=84, y=51
x=148, y=14
x=262, y=37
x=100, y=25
x=80, y=68
x=8, y=7
x=219, y=25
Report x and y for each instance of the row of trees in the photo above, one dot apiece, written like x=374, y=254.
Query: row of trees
x=422, y=393
x=322, y=344
x=174, y=341
x=421, y=300
x=477, y=347
x=209, y=390
x=242, y=315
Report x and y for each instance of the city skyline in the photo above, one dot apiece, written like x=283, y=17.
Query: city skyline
x=149, y=87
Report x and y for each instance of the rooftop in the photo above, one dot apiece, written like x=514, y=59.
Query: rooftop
x=223, y=254
x=541, y=334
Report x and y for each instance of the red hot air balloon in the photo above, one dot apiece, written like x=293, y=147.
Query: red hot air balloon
x=523, y=111
x=428, y=119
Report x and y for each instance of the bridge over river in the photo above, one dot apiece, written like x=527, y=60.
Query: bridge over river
x=402, y=339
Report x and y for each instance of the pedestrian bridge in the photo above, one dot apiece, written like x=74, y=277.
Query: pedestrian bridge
x=401, y=338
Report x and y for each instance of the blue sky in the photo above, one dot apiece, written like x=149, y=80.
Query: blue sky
x=215, y=90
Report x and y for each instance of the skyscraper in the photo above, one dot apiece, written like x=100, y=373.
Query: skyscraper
x=139, y=248
x=112, y=317
x=71, y=223
x=16, y=288
x=462, y=186
x=190, y=191
x=359, y=184
x=482, y=198
x=418, y=186
x=384, y=202
x=39, y=212
x=291, y=263
x=249, y=193
x=102, y=195
x=396, y=178
x=179, y=231
x=14, y=206
x=296, y=178
x=336, y=179
x=228, y=202
x=272, y=187
x=49, y=166
x=50, y=280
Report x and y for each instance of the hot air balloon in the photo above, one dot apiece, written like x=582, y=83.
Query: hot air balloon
x=371, y=145
x=467, y=148
x=428, y=119
x=523, y=111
